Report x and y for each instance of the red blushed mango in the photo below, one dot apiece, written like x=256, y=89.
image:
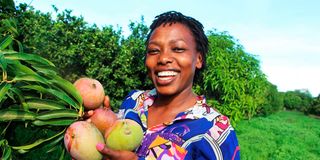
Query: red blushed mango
x=103, y=118
x=91, y=91
x=81, y=139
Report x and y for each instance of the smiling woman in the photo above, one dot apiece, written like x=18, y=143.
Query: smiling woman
x=177, y=123
x=172, y=59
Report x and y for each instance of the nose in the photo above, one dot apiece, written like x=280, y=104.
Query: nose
x=165, y=58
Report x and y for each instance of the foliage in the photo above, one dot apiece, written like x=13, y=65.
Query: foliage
x=315, y=107
x=274, y=101
x=232, y=80
x=34, y=96
x=129, y=70
x=7, y=8
x=299, y=100
x=79, y=49
x=32, y=88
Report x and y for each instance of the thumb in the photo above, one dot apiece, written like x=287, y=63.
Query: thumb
x=110, y=153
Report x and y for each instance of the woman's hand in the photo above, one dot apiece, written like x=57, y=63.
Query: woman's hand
x=111, y=154
x=106, y=104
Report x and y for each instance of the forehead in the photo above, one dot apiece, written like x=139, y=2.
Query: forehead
x=172, y=31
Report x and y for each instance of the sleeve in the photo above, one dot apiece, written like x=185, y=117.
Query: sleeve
x=220, y=142
x=230, y=148
x=127, y=108
x=130, y=100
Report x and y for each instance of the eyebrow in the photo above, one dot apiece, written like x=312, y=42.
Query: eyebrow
x=170, y=42
x=176, y=40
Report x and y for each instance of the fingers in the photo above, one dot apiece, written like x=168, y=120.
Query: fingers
x=88, y=114
x=106, y=102
x=101, y=148
x=109, y=153
x=115, y=154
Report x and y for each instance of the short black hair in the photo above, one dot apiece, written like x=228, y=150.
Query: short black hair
x=195, y=27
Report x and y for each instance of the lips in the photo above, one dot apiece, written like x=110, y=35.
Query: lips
x=166, y=77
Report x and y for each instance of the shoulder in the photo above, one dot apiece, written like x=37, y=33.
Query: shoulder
x=220, y=124
x=221, y=127
x=218, y=141
x=132, y=99
x=223, y=134
x=131, y=105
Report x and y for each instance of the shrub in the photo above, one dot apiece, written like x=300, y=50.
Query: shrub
x=274, y=101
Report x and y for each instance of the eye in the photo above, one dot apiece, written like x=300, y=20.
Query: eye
x=153, y=51
x=178, y=49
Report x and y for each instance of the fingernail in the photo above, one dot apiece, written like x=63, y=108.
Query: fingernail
x=100, y=146
x=90, y=112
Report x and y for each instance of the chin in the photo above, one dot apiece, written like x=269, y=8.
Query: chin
x=167, y=91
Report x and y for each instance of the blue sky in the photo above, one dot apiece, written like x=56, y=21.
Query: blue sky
x=284, y=34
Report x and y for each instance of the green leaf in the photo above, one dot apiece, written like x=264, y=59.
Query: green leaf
x=62, y=154
x=18, y=68
x=59, y=113
x=44, y=104
x=16, y=115
x=19, y=45
x=10, y=26
x=30, y=77
x=18, y=92
x=68, y=87
x=3, y=63
x=61, y=95
x=45, y=69
x=53, y=148
x=4, y=87
x=64, y=97
x=6, y=155
x=28, y=57
x=54, y=143
x=6, y=42
x=25, y=148
x=6, y=150
x=53, y=122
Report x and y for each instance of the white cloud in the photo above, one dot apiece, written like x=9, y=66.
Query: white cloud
x=294, y=77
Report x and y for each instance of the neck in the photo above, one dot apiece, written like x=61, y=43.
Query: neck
x=177, y=102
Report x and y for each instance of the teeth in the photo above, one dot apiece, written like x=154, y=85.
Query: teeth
x=167, y=73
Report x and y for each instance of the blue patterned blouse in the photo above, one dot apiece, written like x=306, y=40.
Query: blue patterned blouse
x=198, y=133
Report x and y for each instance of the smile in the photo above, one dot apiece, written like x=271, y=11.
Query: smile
x=167, y=73
x=166, y=77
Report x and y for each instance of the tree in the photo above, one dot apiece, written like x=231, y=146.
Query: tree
x=232, y=80
x=300, y=100
x=7, y=8
x=315, y=107
x=31, y=95
x=274, y=100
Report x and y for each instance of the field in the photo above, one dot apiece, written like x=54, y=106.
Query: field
x=282, y=136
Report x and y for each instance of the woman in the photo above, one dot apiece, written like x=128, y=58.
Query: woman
x=178, y=124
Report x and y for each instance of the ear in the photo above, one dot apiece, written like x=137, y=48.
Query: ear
x=199, y=61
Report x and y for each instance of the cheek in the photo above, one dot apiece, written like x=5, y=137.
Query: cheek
x=149, y=65
x=187, y=62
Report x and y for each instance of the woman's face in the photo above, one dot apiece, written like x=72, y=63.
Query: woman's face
x=172, y=59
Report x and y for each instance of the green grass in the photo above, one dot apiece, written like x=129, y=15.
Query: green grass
x=284, y=135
